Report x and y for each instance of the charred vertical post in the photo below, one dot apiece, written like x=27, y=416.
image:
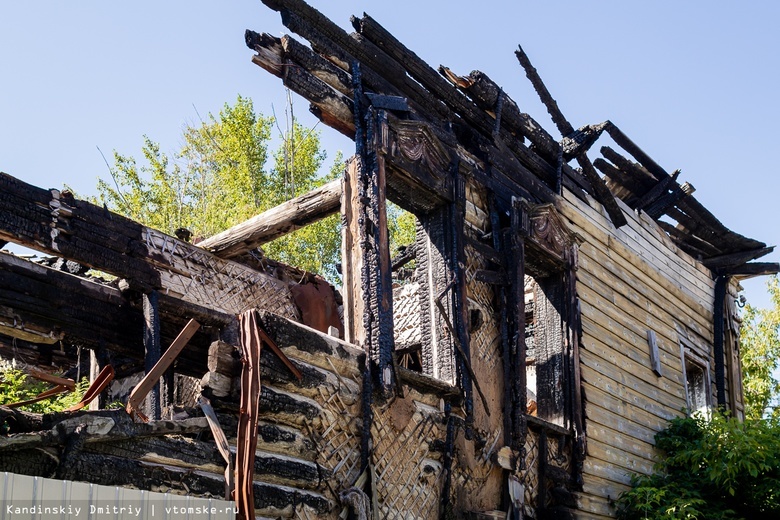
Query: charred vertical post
x=721, y=282
x=98, y=359
x=460, y=297
x=366, y=254
x=573, y=339
x=151, y=309
x=515, y=244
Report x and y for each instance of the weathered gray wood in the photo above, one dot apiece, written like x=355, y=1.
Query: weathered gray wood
x=275, y=222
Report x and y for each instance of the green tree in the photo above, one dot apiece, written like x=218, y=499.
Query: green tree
x=220, y=177
x=16, y=386
x=760, y=341
x=716, y=468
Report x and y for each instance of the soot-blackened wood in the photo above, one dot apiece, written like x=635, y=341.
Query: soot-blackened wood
x=573, y=373
x=93, y=314
x=660, y=205
x=736, y=259
x=552, y=106
x=275, y=222
x=637, y=153
x=514, y=242
x=56, y=223
x=548, y=304
x=661, y=188
x=486, y=93
x=331, y=39
x=580, y=141
x=751, y=269
x=459, y=304
x=718, y=316
x=152, y=349
x=601, y=192
x=366, y=250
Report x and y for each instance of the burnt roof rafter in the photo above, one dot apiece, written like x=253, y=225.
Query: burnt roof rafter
x=476, y=114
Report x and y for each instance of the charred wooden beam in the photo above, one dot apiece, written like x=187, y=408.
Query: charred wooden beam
x=661, y=188
x=751, y=269
x=330, y=40
x=366, y=244
x=486, y=94
x=580, y=141
x=330, y=105
x=58, y=224
x=659, y=206
x=275, y=222
x=637, y=153
x=41, y=299
x=731, y=260
x=151, y=305
x=601, y=192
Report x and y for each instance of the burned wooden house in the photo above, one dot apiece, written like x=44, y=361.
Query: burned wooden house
x=559, y=311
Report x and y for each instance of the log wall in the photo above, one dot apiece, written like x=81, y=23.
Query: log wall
x=630, y=281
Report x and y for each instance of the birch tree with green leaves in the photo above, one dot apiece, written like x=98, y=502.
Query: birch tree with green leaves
x=224, y=173
x=760, y=340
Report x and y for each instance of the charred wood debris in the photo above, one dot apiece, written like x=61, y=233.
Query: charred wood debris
x=49, y=311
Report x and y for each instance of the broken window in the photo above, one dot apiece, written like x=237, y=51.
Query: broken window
x=696, y=375
x=544, y=337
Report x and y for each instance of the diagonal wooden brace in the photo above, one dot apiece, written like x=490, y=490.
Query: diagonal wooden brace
x=147, y=383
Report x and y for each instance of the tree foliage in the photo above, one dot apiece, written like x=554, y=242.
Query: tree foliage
x=760, y=341
x=716, y=468
x=17, y=386
x=223, y=174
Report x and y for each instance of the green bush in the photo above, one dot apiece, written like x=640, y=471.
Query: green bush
x=17, y=386
x=714, y=468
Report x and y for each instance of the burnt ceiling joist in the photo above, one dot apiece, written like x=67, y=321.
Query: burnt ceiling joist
x=476, y=114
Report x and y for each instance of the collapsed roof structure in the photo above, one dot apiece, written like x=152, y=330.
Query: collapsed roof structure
x=556, y=318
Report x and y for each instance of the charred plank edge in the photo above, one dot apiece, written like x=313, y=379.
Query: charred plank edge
x=601, y=192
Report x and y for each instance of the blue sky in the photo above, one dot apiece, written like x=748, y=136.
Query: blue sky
x=694, y=83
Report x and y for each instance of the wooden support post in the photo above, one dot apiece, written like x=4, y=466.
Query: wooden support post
x=457, y=222
x=366, y=254
x=721, y=283
x=97, y=361
x=515, y=244
x=152, y=350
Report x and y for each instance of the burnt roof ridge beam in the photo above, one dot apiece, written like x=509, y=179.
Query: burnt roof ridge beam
x=600, y=190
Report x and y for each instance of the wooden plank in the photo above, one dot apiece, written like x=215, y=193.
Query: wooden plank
x=628, y=322
x=629, y=267
x=275, y=222
x=70, y=384
x=637, y=286
x=655, y=360
x=629, y=345
x=152, y=376
x=648, y=401
x=647, y=239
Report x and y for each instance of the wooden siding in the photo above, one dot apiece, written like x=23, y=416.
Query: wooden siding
x=632, y=280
